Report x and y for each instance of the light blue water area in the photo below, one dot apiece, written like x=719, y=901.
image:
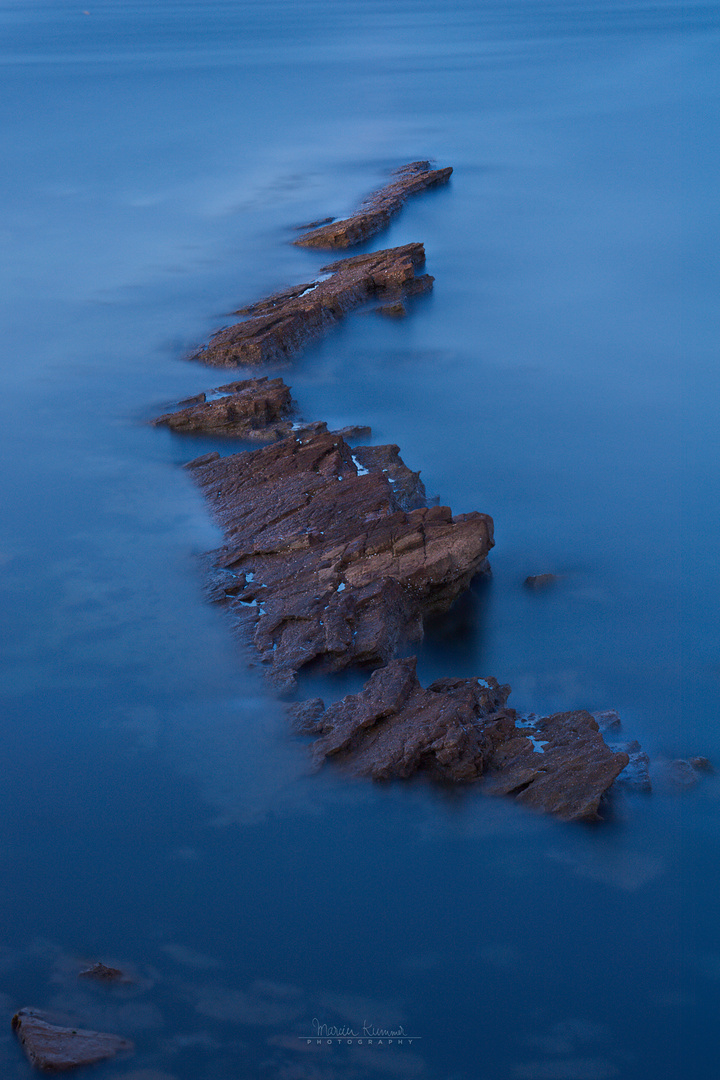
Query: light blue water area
x=156, y=810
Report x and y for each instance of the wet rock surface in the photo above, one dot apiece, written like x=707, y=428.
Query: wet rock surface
x=331, y=552
x=251, y=409
x=564, y=766
x=462, y=730
x=277, y=327
x=376, y=211
x=58, y=1049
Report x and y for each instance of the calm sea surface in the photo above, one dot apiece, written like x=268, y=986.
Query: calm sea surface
x=154, y=809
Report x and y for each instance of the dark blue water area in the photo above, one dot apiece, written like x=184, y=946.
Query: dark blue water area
x=156, y=811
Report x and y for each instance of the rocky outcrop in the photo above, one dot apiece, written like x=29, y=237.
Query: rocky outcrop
x=277, y=327
x=561, y=766
x=58, y=1049
x=376, y=211
x=254, y=409
x=462, y=730
x=332, y=553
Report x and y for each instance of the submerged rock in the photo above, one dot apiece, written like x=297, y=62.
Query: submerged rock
x=331, y=551
x=103, y=973
x=57, y=1049
x=540, y=581
x=682, y=772
x=462, y=730
x=257, y=409
x=376, y=211
x=280, y=325
x=608, y=720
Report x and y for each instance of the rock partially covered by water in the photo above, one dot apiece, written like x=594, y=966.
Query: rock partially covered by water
x=394, y=728
x=540, y=581
x=251, y=409
x=58, y=1049
x=376, y=211
x=462, y=730
x=277, y=327
x=103, y=973
x=332, y=552
x=561, y=765
x=257, y=409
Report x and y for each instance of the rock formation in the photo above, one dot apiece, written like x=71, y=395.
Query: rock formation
x=277, y=327
x=333, y=558
x=332, y=552
x=57, y=1049
x=376, y=211
x=462, y=730
x=254, y=409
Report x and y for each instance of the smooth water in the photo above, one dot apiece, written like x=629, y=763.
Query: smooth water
x=155, y=810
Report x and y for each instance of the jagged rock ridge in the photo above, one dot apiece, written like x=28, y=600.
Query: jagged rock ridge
x=332, y=552
x=278, y=326
x=462, y=730
x=375, y=212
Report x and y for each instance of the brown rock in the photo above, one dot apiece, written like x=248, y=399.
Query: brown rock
x=375, y=213
x=329, y=554
x=57, y=1049
x=461, y=730
x=257, y=409
x=204, y=459
x=252, y=409
x=304, y=715
x=394, y=728
x=563, y=766
x=277, y=327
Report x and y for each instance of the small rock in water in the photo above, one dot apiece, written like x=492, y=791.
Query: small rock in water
x=540, y=581
x=607, y=720
x=636, y=774
x=681, y=773
x=392, y=311
x=102, y=972
x=57, y=1049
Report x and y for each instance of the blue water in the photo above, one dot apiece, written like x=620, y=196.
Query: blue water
x=155, y=810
